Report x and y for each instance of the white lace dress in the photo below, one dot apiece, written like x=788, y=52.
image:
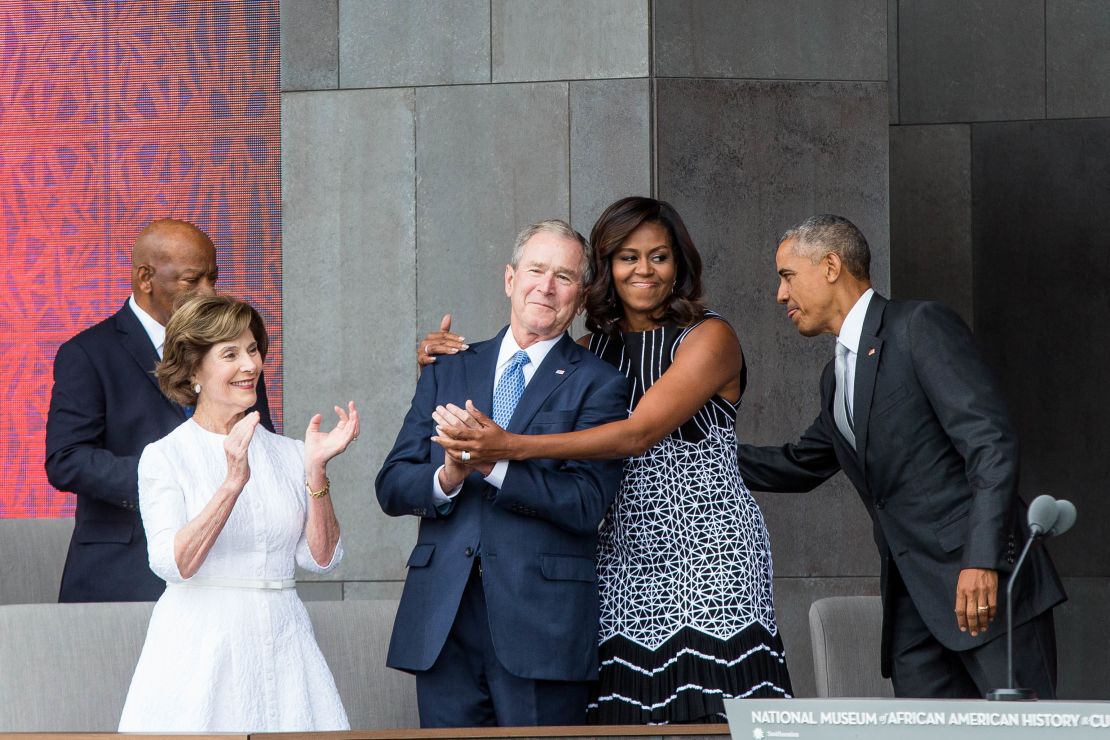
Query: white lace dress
x=219, y=658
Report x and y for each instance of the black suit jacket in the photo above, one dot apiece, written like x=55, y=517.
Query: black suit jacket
x=105, y=408
x=936, y=465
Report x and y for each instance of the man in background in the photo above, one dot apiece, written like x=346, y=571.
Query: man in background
x=106, y=407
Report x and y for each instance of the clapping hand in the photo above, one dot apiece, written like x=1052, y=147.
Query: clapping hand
x=320, y=447
x=235, y=447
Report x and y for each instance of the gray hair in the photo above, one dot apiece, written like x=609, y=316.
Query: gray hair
x=818, y=235
x=559, y=228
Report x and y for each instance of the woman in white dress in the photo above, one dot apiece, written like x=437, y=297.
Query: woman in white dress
x=228, y=508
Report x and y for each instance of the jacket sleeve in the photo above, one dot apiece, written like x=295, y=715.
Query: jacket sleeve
x=404, y=484
x=262, y=406
x=973, y=414
x=792, y=468
x=576, y=494
x=76, y=460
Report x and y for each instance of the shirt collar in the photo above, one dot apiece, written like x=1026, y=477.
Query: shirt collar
x=852, y=328
x=536, y=353
x=154, y=330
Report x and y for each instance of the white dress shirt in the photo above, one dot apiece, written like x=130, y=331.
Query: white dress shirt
x=154, y=330
x=536, y=354
x=850, y=332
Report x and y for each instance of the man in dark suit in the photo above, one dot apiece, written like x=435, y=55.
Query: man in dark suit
x=499, y=615
x=106, y=407
x=911, y=415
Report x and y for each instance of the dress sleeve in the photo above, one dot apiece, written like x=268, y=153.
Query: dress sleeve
x=162, y=505
x=304, y=554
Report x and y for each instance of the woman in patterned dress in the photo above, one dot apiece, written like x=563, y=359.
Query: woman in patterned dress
x=684, y=561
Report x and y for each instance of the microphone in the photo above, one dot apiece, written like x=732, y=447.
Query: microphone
x=1047, y=517
x=1065, y=518
x=1043, y=513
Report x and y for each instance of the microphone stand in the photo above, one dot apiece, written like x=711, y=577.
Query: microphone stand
x=1012, y=693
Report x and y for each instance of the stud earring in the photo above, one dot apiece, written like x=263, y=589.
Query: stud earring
x=196, y=388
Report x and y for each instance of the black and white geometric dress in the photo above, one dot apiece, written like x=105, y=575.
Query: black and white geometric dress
x=684, y=565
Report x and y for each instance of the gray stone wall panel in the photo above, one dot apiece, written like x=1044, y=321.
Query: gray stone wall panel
x=385, y=43
x=930, y=215
x=769, y=39
x=349, y=263
x=309, y=44
x=742, y=161
x=1042, y=305
x=536, y=40
x=610, y=145
x=1078, y=51
x=490, y=160
x=971, y=60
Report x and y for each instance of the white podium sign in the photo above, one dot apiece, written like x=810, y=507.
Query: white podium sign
x=867, y=719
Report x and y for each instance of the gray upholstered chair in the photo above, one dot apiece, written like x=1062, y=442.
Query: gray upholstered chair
x=846, y=633
x=354, y=638
x=32, y=554
x=67, y=667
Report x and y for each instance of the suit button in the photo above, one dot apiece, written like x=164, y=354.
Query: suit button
x=469, y=551
x=880, y=503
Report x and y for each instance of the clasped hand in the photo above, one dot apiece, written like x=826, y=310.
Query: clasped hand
x=469, y=430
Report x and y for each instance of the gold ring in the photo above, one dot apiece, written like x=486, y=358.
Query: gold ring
x=984, y=608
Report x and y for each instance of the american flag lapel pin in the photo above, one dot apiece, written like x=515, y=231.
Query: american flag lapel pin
x=560, y=371
x=871, y=352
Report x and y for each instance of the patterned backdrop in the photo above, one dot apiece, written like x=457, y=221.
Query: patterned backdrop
x=113, y=113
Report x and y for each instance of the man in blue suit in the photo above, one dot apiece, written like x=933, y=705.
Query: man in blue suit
x=499, y=615
x=106, y=407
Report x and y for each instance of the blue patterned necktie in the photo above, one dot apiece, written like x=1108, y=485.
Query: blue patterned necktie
x=509, y=389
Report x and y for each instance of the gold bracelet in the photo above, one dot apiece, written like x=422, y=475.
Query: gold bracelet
x=322, y=492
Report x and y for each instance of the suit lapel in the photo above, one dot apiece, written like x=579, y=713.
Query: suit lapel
x=479, y=366
x=559, y=365
x=137, y=342
x=867, y=368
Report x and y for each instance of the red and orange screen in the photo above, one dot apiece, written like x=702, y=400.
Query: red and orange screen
x=112, y=114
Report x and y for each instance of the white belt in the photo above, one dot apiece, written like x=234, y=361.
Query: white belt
x=220, y=582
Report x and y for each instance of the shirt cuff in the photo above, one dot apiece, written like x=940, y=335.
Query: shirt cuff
x=438, y=494
x=496, y=477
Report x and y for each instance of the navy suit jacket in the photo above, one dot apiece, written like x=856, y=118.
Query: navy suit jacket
x=936, y=465
x=105, y=408
x=537, y=534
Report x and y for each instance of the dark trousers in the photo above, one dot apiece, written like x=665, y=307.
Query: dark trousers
x=468, y=687
x=923, y=668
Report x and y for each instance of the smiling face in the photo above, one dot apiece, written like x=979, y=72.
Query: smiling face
x=644, y=273
x=545, y=287
x=807, y=290
x=228, y=376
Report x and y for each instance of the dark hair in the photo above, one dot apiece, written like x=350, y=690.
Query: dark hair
x=604, y=310
x=196, y=326
x=826, y=232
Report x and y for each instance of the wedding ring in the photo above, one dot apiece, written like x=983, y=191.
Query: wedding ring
x=984, y=608
x=426, y=350
x=464, y=456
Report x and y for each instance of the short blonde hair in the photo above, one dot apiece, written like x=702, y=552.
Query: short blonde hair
x=195, y=327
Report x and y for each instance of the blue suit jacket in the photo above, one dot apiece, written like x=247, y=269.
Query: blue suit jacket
x=538, y=533
x=105, y=408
